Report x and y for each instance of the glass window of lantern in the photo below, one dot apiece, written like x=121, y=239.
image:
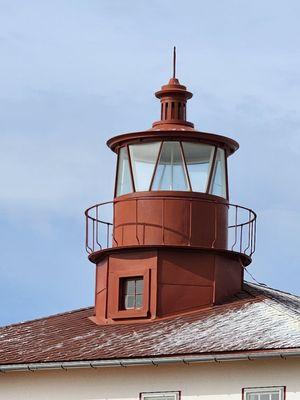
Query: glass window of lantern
x=170, y=173
x=198, y=159
x=143, y=160
x=218, y=185
x=124, y=183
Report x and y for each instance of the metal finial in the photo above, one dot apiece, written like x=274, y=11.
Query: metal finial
x=174, y=62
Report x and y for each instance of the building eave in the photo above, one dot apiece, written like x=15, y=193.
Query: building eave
x=155, y=361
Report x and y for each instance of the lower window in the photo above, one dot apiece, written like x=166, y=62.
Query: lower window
x=266, y=393
x=160, y=396
x=131, y=295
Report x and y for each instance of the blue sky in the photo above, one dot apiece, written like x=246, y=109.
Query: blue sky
x=75, y=73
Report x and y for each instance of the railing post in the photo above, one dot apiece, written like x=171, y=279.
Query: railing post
x=241, y=238
x=98, y=226
x=248, y=226
x=254, y=246
x=251, y=243
x=107, y=235
x=235, y=228
x=93, y=245
x=88, y=249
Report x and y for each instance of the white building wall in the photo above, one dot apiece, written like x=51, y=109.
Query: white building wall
x=211, y=381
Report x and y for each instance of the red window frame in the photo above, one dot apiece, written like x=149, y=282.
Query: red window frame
x=115, y=284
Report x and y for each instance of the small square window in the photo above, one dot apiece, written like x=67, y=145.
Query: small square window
x=131, y=293
x=265, y=393
x=160, y=396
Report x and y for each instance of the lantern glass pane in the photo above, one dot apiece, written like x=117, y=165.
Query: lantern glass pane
x=218, y=186
x=124, y=183
x=198, y=159
x=143, y=160
x=170, y=173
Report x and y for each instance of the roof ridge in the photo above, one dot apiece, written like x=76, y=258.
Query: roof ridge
x=290, y=302
x=45, y=318
x=268, y=288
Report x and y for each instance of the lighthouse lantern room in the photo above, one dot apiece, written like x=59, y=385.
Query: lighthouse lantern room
x=175, y=243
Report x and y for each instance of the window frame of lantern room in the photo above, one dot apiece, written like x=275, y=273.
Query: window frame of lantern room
x=211, y=171
x=186, y=171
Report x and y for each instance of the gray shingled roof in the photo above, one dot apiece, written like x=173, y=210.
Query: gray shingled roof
x=259, y=318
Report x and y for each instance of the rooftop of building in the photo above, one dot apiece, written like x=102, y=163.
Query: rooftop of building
x=258, y=318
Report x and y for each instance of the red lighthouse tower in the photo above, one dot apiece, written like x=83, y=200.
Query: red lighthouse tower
x=175, y=243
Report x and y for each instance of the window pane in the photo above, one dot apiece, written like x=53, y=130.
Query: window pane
x=129, y=301
x=252, y=397
x=124, y=184
x=139, y=285
x=275, y=396
x=264, y=397
x=129, y=286
x=143, y=160
x=170, y=173
x=159, y=398
x=218, y=186
x=198, y=158
x=139, y=301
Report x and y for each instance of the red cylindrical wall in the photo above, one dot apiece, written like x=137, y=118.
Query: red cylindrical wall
x=171, y=218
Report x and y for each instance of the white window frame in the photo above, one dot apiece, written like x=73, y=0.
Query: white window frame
x=152, y=395
x=263, y=390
